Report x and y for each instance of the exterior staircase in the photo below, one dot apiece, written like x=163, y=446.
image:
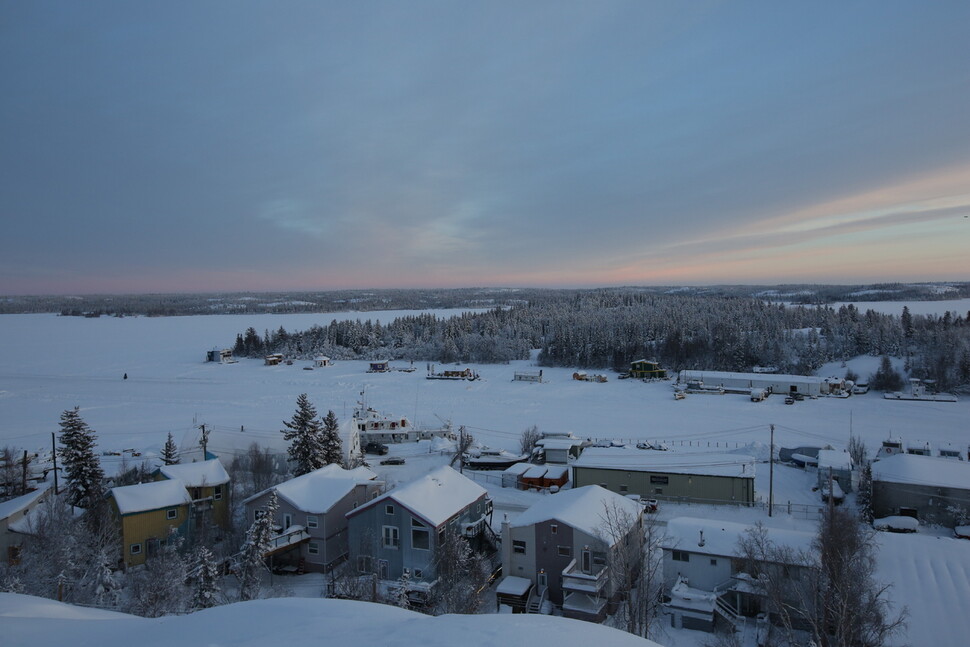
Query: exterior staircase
x=536, y=600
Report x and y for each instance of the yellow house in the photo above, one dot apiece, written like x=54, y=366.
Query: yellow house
x=208, y=485
x=147, y=514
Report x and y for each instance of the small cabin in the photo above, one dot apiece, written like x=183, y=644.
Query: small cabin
x=222, y=356
x=273, y=360
x=381, y=366
x=647, y=369
x=526, y=376
x=321, y=362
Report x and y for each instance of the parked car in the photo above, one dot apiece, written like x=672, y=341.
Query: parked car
x=375, y=448
x=789, y=400
x=650, y=505
x=393, y=460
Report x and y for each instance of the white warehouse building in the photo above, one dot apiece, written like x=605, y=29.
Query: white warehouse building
x=781, y=384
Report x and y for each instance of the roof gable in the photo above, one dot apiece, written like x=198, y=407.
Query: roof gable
x=150, y=496
x=435, y=497
x=583, y=508
x=199, y=474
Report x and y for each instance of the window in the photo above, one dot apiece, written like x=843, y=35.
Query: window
x=388, y=509
x=658, y=490
x=659, y=480
x=217, y=493
x=420, y=535
x=311, y=521
x=554, y=529
x=680, y=556
x=518, y=546
x=565, y=551
x=713, y=562
x=135, y=549
x=391, y=536
x=171, y=514
x=365, y=564
x=313, y=548
x=624, y=489
x=418, y=573
x=587, y=560
x=287, y=520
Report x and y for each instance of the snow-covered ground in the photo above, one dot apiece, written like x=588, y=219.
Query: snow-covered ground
x=28, y=621
x=54, y=363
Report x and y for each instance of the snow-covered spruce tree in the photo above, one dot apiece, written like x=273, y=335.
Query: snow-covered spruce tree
x=205, y=580
x=462, y=573
x=401, y=596
x=252, y=562
x=333, y=451
x=303, y=433
x=170, y=452
x=160, y=588
x=85, y=478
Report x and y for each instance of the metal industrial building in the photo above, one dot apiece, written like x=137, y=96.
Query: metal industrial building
x=717, y=478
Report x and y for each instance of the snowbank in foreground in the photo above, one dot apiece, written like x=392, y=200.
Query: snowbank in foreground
x=36, y=621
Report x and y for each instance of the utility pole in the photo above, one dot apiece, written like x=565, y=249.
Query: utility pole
x=205, y=440
x=24, y=484
x=771, y=473
x=461, y=449
x=54, y=456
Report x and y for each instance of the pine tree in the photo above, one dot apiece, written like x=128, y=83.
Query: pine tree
x=332, y=447
x=85, y=478
x=303, y=432
x=170, y=452
x=205, y=578
x=254, y=549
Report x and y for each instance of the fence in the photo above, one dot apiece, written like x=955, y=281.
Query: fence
x=797, y=510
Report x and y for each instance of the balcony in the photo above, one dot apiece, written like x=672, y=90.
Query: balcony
x=292, y=536
x=585, y=594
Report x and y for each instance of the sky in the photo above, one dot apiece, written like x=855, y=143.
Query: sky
x=250, y=146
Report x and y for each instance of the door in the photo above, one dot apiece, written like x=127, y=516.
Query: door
x=287, y=520
x=382, y=569
x=542, y=579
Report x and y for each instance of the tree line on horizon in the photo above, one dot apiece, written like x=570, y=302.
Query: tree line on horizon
x=609, y=329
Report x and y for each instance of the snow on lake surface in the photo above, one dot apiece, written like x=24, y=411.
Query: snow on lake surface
x=53, y=363
x=958, y=306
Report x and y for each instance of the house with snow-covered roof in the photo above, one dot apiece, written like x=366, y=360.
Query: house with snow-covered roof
x=12, y=511
x=147, y=514
x=706, y=576
x=929, y=488
x=400, y=530
x=561, y=546
x=716, y=478
x=311, y=522
x=208, y=485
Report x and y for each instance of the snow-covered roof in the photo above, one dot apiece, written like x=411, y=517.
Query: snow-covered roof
x=435, y=497
x=318, y=491
x=922, y=470
x=711, y=377
x=557, y=471
x=512, y=585
x=150, y=496
x=721, y=537
x=518, y=468
x=200, y=474
x=625, y=458
x=535, y=472
x=15, y=505
x=559, y=443
x=837, y=459
x=583, y=508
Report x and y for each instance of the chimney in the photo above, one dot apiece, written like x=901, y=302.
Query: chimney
x=701, y=541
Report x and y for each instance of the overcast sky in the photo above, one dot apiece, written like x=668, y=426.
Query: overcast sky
x=212, y=146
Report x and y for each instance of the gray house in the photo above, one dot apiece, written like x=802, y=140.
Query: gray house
x=703, y=576
x=311, y=521
x=558, y=550
x=716, y=478
x=929, y=488
x=400, y=530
